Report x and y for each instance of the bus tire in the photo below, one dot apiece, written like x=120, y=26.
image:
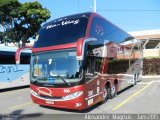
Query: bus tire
x=113, y=92
x=138, y=77
x=106, y=93
x=135, y=80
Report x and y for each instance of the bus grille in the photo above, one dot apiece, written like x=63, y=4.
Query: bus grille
x=50, y=97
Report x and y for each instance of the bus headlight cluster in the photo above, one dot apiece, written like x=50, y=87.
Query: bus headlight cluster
x=34, y=93
x=73, y=95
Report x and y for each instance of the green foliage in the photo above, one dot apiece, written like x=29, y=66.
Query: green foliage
x=2, y=37
x=150, y=68
x=22, y=21
x=8, y=10
x=119, y=66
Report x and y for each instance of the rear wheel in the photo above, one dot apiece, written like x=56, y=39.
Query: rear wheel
x=113, y=91
x=138, y=77
x=135, y=80
x=106, y=93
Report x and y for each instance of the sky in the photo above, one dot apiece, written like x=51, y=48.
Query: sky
x=130, y=15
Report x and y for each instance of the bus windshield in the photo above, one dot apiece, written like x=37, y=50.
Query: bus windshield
x=58, y=67
x=62, y=31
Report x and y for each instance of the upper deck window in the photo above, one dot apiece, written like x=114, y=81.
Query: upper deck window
x=62, y=31
x=105, y=30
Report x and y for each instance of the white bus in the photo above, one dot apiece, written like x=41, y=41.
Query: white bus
x=11, y=74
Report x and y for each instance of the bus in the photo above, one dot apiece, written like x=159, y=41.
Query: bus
x=11, y=74
x=82, y=59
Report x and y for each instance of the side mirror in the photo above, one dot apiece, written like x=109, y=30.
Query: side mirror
x=81, y=46
x=18, y=53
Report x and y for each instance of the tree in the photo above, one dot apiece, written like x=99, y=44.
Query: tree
x=32, y=15
x=24, y=20
x=8, y=14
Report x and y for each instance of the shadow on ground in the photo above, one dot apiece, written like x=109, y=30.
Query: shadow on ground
x=18, y=115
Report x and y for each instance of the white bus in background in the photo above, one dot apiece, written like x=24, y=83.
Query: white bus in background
x=11, y=74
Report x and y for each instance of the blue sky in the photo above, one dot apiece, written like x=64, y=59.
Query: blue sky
x=145, y=17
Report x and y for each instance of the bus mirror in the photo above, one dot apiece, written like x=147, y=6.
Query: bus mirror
x=18, y=53
x=81, y=46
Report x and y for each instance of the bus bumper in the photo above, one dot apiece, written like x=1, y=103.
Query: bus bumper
x=77, y=103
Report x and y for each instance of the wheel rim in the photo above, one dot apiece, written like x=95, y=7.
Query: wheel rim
x=113, y=90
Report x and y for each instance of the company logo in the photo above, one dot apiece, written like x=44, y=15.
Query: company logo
x=44, y=91
x=63, y=23
x=9, y=68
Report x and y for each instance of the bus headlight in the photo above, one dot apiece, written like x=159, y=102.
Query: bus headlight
x=73, y=95
x=34, y=93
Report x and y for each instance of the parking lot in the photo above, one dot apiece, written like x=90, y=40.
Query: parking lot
x=142, y=98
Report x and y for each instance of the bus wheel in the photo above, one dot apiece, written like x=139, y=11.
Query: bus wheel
x=114, y=90
x=135, y=80
x=106, y=94
x=138, y=78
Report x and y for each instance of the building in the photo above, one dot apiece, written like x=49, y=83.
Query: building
x=151, y=42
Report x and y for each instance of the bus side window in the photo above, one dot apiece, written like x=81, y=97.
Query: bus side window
x=90, y=66
x=93, y=65
x=97, y=65
x=7, y=58
x=25, y=58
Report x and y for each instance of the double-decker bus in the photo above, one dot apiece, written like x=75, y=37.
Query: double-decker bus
x=82, y=59
x=11, y=74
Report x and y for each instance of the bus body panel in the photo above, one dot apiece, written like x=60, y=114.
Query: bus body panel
x=14, y=76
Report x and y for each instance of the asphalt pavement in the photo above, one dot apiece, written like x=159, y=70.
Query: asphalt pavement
x=143, y=98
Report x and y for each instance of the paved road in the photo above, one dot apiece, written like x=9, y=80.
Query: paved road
x=142, y=98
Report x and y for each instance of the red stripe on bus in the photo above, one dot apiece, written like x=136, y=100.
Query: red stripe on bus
x=57, y=47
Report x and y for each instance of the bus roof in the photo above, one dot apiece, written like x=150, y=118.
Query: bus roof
x=69, y=29
x=8, y=49
x=11, y=49
x=87, y=14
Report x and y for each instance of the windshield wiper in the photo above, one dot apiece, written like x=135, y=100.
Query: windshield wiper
x=66, y=81
x=38, y=78
x=35, y=81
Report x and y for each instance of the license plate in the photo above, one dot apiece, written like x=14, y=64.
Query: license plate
x=49, y=102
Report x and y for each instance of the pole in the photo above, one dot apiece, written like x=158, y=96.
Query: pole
x=94, y=6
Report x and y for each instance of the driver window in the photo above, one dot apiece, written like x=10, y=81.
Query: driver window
x=93, y=64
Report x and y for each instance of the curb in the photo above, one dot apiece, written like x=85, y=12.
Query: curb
x=158, y=76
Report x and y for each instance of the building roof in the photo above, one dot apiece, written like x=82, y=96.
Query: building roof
x=146, y=34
